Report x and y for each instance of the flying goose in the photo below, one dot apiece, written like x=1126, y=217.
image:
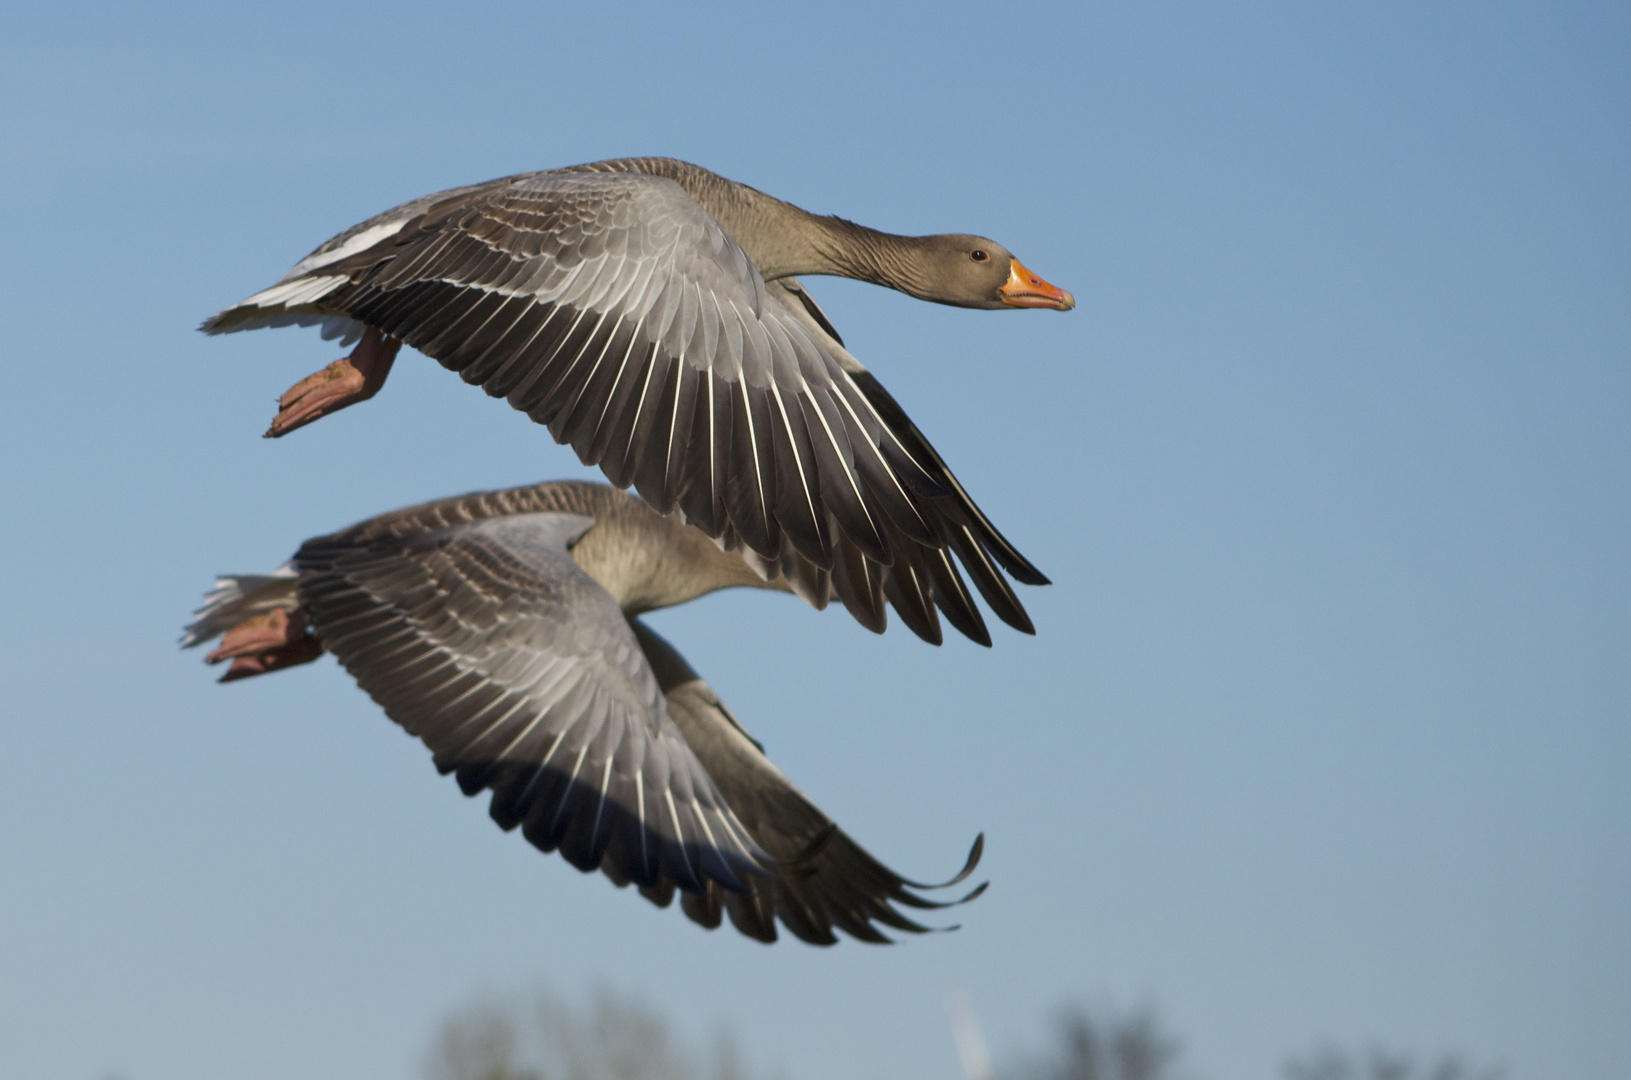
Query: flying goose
x=502, y=629
x=649, y=312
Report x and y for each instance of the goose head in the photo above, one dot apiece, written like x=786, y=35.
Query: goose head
x=974, y=272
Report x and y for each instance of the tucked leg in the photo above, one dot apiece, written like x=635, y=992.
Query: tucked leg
x=268, y=642
x=347, y=381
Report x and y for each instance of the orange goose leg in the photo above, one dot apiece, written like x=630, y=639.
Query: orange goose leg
x=268, y=642
x=347, y=381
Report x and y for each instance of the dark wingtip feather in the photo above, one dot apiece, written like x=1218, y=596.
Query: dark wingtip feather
x=989, y=580
x=973, y=860
x=920, y=449
x=816, y=846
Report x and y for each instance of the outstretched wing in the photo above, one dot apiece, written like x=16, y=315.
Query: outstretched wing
x=521, y=675
x=614, y=309
x=822, y=880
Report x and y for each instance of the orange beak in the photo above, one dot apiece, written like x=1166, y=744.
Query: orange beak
x=1025, y=289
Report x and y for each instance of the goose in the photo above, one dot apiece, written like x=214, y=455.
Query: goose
x=650, y=313
x=502, y=629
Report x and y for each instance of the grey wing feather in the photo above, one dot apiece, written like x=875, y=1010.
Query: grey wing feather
x=520, y=674
x=822, y=880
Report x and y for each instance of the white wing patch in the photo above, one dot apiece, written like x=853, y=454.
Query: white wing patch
x=295, y=293
x=353, y=244
x=296, y=290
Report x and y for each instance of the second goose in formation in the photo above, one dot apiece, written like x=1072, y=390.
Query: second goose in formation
x=649, y=312
x=502, y=629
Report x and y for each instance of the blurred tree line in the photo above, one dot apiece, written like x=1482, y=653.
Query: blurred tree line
x=616, y=1038
x=547, y=1038
x=1107, y=1046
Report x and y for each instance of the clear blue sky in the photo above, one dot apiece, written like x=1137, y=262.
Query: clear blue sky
x=1324, y=733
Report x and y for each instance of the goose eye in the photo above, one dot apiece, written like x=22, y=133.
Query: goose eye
x=978, y=256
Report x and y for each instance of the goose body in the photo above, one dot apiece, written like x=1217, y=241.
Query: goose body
x=649, y=312
x=502, y=629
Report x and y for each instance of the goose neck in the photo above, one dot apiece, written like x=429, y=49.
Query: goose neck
x=845, y=249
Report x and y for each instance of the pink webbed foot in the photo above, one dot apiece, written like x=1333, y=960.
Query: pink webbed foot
x=347, y=381
x=269, y=642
